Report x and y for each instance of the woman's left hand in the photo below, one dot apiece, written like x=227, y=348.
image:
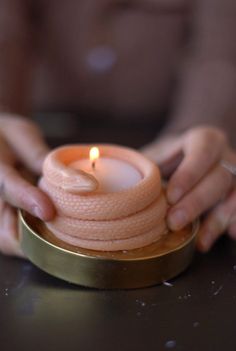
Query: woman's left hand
x=200, y=163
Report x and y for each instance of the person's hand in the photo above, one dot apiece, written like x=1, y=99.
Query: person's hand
x=21, y=143
x=199, y=182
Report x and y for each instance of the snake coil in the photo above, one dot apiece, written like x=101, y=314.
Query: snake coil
x=122, y=220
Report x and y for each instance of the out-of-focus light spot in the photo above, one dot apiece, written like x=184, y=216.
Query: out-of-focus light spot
x=101, y=59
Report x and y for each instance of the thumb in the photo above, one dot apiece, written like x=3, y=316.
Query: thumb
x=26, y=140
x=167, y=153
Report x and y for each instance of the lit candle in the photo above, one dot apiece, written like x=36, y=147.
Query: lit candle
x=112, y=174
x=94, y=155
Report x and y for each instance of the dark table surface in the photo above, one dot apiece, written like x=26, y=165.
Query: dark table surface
x=198, y=312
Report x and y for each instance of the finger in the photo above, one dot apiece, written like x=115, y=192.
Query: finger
x=6, y=155
x=9, y=240
x=19, y=193
x=166, y=153
x=206, y=194
x=26, y=140
x=161, y=150
x=170, y=164
x=220, y=219
x=202, y=149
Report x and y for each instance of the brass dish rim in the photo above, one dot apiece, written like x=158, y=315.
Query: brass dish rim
x=195, y=228
x=127, y=269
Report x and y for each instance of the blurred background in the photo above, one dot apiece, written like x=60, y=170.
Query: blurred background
x=104, y=67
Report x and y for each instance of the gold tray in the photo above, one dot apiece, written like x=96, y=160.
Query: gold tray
x=137, y=268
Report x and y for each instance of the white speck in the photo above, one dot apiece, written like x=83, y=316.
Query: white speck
x=167, y=284
x=195, y=324
x=101, y=59
x=218, y=290
x=170, y=344
x=234, y=267
x=142, y=303
x=212, y=282
x=6, y=294
x=187, y=295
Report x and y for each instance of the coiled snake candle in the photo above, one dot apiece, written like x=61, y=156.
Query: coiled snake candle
x=107, y=221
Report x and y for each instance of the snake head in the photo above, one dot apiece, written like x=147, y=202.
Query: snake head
x=78, y=182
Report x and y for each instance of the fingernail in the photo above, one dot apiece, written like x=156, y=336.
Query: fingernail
x=37, y=212
x=177, y=219
x=174, y=195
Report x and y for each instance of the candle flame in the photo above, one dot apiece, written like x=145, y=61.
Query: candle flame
x=94, y=155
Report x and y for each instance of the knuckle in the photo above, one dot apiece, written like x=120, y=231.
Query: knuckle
x=11, y=187
x=215, y=136
x=225, y=178
x=218, y=136
x=196, y=205
x=26, y=125
x=220, y=220
x=186, y=178
x=6, y=245
x=7, y=172
x=23, y=201
x=21, y=124
x=8, y=121
x=2, y=188
x=210, y=134
x=5, y=175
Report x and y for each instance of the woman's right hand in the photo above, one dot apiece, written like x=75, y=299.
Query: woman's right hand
x=21, y=144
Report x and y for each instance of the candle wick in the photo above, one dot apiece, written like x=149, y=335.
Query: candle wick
x=93, y=165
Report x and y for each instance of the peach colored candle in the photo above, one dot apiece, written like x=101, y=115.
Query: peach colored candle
x=110, y=202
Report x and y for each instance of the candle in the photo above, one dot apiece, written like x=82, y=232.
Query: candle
x=112, y=174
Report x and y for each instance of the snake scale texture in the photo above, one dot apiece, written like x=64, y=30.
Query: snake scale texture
x=122, y=220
